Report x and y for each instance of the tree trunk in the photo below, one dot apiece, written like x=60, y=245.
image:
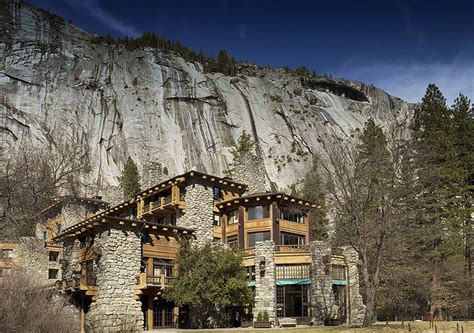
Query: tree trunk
x=370, y=296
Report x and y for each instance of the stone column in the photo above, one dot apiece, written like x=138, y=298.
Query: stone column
x=356, y=309
x=72, y=267
x=118, y=267
x=199, y=211
x=265, y=279
x=250, y=170
x=322, y=298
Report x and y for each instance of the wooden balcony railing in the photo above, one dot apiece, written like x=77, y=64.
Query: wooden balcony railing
x=155, y=205
x=167, y=200
x=153, y=280
x=291, y=248
x=248, y=252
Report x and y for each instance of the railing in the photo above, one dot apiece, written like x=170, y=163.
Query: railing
x=146, y=208
x=248, y=252
x=291, y=248
x=155, y=204
x=153, y=279
x=167, y=200
x=168, y=280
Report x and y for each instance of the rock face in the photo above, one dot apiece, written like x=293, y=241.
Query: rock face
x=57, y=82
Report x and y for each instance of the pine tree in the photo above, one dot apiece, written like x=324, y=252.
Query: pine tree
x=313, y=189
x=130, y=179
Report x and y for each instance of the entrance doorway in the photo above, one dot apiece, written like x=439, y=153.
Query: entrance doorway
x=162, y=314
x=292, y=301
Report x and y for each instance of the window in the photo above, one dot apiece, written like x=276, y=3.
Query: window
x=292, y=239
x=232, y=241
x=58, y=229
x=216, y=193
x=294, y=215
x=338, y=272
x=5, y=272
x=258, y=212
x=292, y=271
x=52, y=274
x=160, y=220
x=254, y=237
x=217, y=220
x=163, y=267
x=45, y=234
x=7, y=254
x=232, y=217
x=53, y=256
x=173, y=219
x=250, y=273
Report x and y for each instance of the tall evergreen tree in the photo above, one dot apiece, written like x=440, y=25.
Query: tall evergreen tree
x=130, y=179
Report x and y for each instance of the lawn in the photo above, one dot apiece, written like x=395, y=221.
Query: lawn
x=394, y=327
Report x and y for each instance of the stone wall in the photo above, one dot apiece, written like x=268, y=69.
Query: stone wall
x=265, y=281
x=118, y=267
x=34, y=260
x=250, y=170
x=356, y=304
x=199, y=211
x=322, y=298
x=72, y=267
x=72, y=213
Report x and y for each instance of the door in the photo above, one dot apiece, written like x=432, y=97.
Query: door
x=162, y=313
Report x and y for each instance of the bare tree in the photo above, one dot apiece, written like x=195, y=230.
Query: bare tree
x=25, y=307
x=33, y=177
x=368, y=188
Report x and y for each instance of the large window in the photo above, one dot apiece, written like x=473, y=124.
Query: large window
x=232, y=217
x=290, y=214
x=250, y=273
x=258, y=212
x=254, y=237
x=292, y=239
x=292, y=271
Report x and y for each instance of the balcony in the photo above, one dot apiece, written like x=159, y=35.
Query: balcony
x=162, y=204
x=145, y=281
x=291, y=248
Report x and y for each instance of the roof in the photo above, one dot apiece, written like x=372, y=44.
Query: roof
x=276, y=196
x=219, y=181
x=65, y=199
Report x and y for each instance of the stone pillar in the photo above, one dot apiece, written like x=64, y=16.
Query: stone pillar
x=250, y=170
x=199, y=211
x=265, y=279
x=322, y=298
x=72, y=267
x=118, y=267
x=356, y=309
x=72, y=213
x=153, y=173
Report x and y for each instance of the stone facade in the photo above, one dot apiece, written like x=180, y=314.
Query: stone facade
x=322, y=299
x=72, y=267
x=265, y=279
x=117, y=269
x=72, y=213
x=34, y=259
x=356, y=304
x=199, y=211
x=249, y=169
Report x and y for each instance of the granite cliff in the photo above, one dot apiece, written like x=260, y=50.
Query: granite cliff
x=164, y=112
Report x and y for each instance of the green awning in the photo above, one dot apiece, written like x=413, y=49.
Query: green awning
x=339, y=282
x=251, y=283
x=289, y=282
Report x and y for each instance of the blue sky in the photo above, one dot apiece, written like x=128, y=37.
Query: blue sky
x=400, y=46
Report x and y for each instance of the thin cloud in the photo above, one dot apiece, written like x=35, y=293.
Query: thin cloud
x=409, y=81
x=94, y=9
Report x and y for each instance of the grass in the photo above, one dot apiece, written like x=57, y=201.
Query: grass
x=393, y=327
